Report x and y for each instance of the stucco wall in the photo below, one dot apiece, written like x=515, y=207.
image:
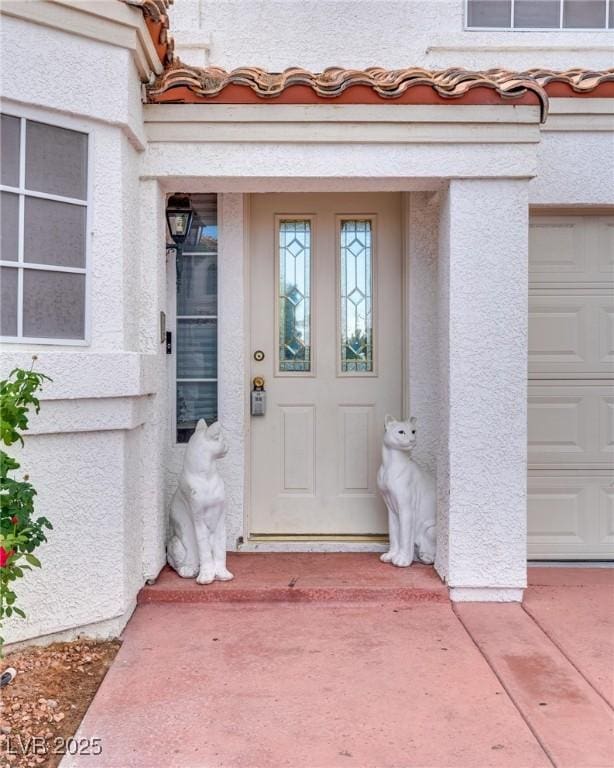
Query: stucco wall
x=74, y=75
x=574, y=168
x=483, y=369
x=101, y=453
x=276, y=34
x=93, y=453
x=423, y=364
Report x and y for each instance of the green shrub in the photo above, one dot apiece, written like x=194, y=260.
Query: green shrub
x=20, y=531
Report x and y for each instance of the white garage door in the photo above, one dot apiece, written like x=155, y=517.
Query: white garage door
x=571, y=387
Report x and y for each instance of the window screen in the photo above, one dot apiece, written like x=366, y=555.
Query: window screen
x=43, y=214
x=540, y=14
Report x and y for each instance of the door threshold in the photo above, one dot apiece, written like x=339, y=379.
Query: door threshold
x=368, y=538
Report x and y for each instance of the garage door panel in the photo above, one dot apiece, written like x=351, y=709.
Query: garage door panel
x=556, y=247
x=604, y=235
x=570, y=425
x=571, y=387
x=606, y=424
x=606, y=334
x=571, y=334
x=606, y=516
x=556, y=511
x=571, y=249
x=570, y=516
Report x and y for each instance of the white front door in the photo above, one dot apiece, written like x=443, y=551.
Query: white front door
x=326, y=311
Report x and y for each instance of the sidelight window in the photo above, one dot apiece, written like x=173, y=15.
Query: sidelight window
x=356, y=295
x=196, y=357
x=294, y=295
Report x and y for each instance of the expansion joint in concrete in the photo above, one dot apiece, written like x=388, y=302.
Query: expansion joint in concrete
x=505, y=688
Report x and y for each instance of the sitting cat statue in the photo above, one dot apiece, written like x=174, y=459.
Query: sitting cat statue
x=196, y=544
x=409, y=494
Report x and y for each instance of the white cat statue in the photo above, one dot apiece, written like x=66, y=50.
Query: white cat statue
x=409, y=494
x=196, y=544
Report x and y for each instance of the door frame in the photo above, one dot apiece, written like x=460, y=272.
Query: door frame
x=337, y=541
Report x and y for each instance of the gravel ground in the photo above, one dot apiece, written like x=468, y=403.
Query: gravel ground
x=43, y=706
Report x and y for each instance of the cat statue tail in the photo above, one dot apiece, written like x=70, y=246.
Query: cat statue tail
x=175, y=551
x=427, y=543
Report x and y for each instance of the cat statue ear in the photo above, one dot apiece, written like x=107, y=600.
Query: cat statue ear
x=413, y=421
x=214, y=430
x=388, y=420
x=201, y=424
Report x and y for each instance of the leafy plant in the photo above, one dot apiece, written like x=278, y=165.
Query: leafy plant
x=20, y=531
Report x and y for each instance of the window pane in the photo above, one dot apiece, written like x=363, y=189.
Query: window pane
x=54, y=233
x=196, y=349
x=8, y=294
x=588, y=14
x=203, y=232
x=195, y=400
x=53, y=304
x=9, y=222
x=9, y=159
x=611, y=16
x=537, y=13
x=489, y=13
x=56, y=160
x=197, y=285
x=295, y=296
x=356, y=296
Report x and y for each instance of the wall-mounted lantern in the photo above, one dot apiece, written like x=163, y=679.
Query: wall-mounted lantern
x=179, y=216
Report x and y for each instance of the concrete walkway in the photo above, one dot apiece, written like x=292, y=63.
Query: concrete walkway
x=336, y=660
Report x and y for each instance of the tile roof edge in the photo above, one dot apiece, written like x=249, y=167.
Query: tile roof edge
x=201, y=84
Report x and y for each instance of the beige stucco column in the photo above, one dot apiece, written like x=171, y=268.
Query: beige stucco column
x=483, y=367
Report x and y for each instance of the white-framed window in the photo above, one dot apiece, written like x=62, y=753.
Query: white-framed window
x=197, y=320
x=44, y=210
x=539, y=15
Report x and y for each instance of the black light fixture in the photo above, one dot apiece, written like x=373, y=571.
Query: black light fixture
x=179, y=215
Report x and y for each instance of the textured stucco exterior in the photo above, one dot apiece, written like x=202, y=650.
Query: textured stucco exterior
x=94, y=453
x=102, y=452
x=426, y=33
x=484, y=298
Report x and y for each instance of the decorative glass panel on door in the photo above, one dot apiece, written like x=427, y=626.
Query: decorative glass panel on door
x=294, y=296
x=356, y=295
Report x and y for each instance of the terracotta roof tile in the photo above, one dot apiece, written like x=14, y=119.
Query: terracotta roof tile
x=579, y=80
x=155, y=13
x=184, y=83
x=205, y=84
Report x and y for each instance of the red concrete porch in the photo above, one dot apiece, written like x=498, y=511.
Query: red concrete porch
x=319, y=661
x=303, y=577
